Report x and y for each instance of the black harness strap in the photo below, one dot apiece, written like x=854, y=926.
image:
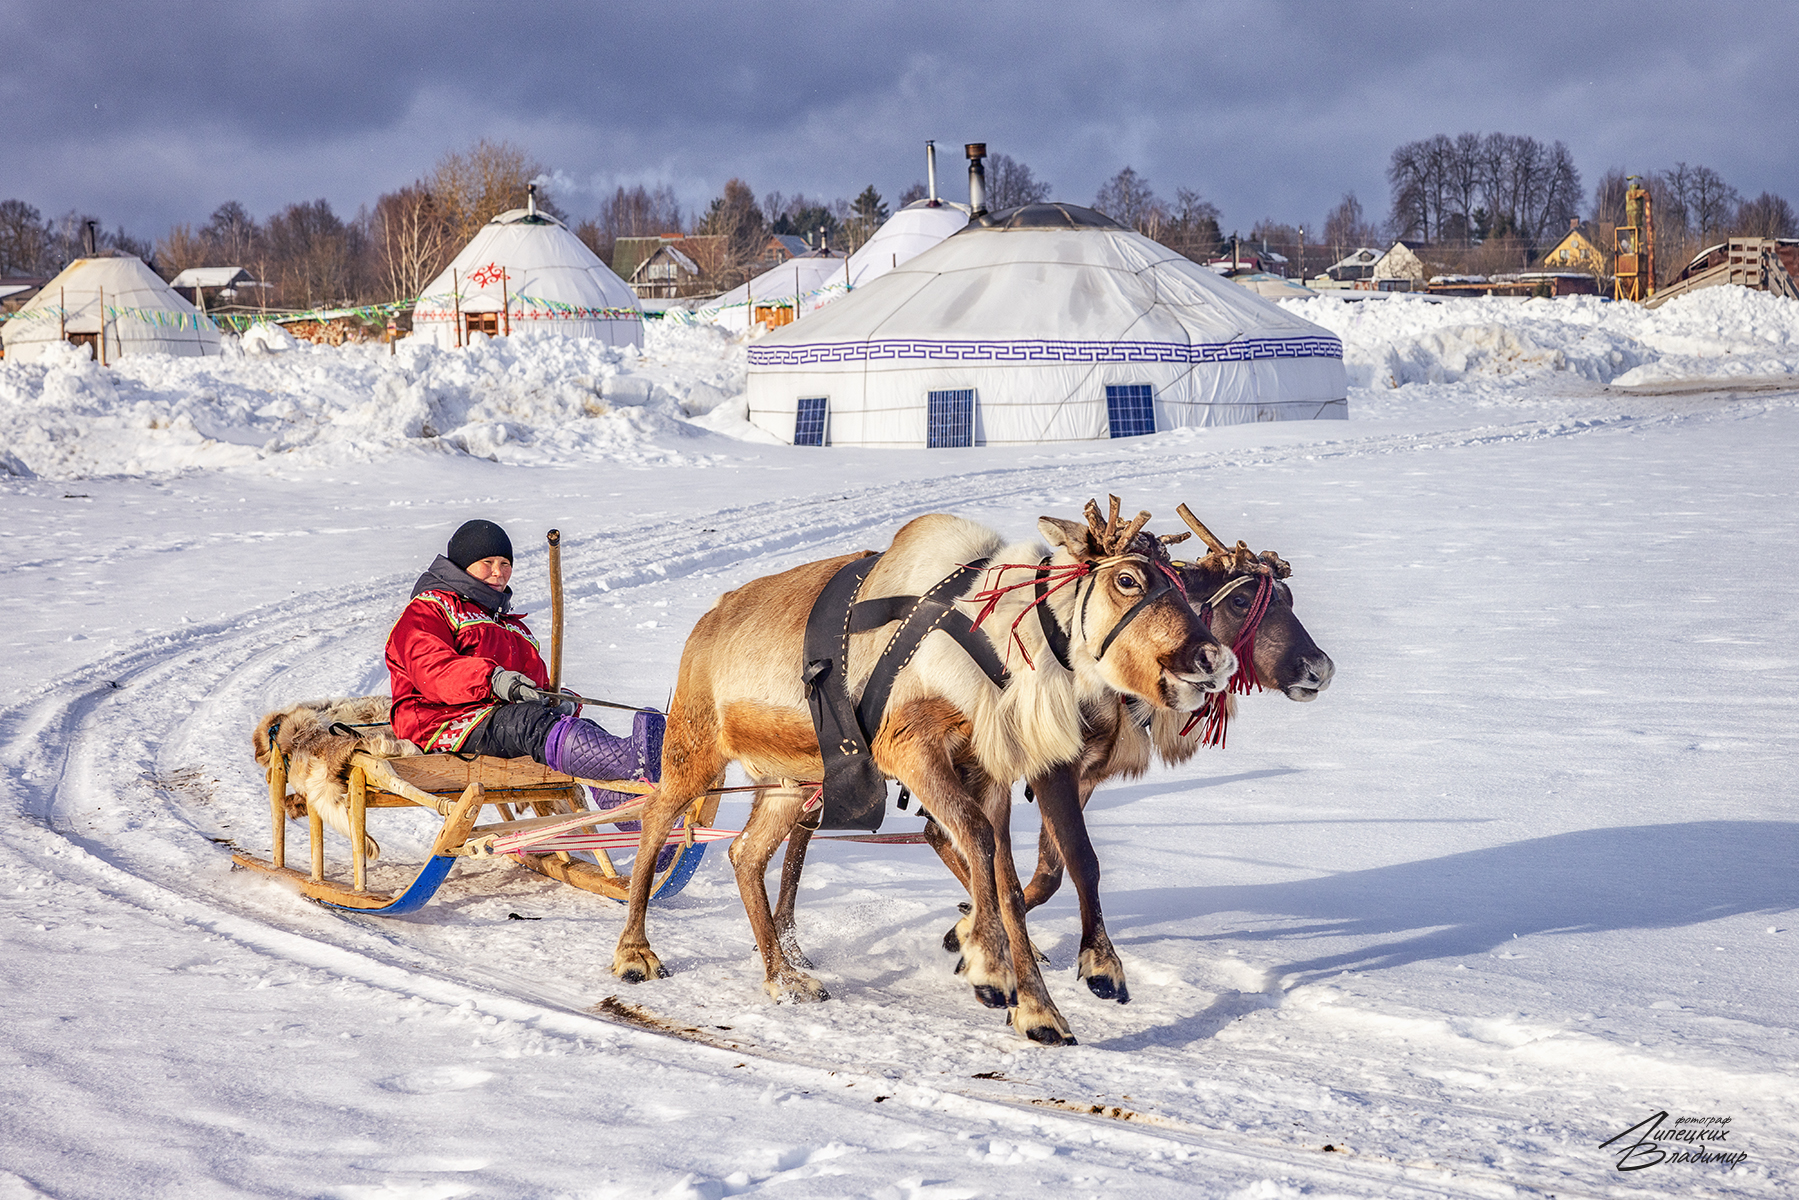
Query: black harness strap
x=1053, y=633
x=924, y=614
x=855, y=791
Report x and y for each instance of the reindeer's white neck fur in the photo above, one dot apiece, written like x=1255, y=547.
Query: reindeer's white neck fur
x=1031, y=725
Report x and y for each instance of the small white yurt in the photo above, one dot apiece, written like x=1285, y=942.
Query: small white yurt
x=116, y=306
x=524, y=271
x=801, y=278
x=903, y=237
x=1043, y=323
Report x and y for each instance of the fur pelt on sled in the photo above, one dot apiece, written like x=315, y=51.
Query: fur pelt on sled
x=318, y=760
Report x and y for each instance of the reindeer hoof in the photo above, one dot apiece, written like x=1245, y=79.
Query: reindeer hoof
x=1041, y=1023
x=1107, y=988
x=991, y=996
x=1104, y=975
x=635, y=966
x=795, y=987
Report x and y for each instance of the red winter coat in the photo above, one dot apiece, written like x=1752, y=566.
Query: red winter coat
x=441, y=655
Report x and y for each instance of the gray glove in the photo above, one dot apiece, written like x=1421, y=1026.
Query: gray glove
x=517, y=686
x=514, y=686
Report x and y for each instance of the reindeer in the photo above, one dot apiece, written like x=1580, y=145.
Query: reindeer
x=1248, y=605
x=948, y=733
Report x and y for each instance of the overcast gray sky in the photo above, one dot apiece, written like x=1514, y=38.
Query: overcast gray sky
x=152, y=114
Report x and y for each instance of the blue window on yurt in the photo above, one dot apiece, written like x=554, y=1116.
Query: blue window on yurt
x=809, y=421
x=1130, y=409
x=950, y=419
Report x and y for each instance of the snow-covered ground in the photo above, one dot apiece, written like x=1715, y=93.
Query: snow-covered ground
x=1522, y=879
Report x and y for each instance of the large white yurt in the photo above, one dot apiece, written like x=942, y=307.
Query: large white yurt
x=524, y=271
x=116, y=306
x=803, y=277
x=1044, y=323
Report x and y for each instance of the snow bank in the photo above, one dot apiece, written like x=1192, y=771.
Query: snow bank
x=525, y=399
x=1498, y=345
x=538, y=399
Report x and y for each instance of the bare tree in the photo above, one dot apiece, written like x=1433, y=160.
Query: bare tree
x=1472, y=187
x=1128, y=199
x=25, y=240
x=474, y=186
x=233, y=232
x=632, y=212
x=410, y=233
x=1767, y=216
x=1346, y=230
x=1011, y=183
x=1711, y=204
x=313, y=254
x=735, y=217
x=1191, y=227
x=182, y=247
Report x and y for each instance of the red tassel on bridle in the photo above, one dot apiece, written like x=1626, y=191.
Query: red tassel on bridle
x=1215, y=713
x=1057, y=577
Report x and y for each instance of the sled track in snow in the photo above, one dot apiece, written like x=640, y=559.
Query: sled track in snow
x=164, y=724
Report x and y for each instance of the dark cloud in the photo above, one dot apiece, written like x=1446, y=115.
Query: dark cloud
x=157, y=114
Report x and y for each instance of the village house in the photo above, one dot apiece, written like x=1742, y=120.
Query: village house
x=669, y=267
x=1577, y=251
x=1401, y=268
x=1357, y=264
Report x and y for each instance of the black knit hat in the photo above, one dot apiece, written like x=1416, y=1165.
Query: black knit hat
x=477, y=540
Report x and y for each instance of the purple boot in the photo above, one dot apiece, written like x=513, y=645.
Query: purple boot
x=579, y=747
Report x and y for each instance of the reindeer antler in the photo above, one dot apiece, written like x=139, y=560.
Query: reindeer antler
x=1239, y=560
x=1111, y=538
x=1095, y=524
x=1129, y=532
x=1205, y=535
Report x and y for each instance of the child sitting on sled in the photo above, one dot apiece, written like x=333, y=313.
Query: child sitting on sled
x=467, y=676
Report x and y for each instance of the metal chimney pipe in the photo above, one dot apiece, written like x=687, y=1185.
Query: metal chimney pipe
x=930, y=169
x=93, y=242
x=977, y=178
x=531, y=200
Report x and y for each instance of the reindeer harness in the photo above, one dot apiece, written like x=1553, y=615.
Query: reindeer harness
x=855, y=790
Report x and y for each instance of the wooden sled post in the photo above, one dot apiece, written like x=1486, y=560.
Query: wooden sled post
x=315, y=829
x=278, y=804
x=359, y=828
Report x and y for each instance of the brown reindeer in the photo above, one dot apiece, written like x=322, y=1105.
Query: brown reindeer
x=956, y=740
x=1228, y=586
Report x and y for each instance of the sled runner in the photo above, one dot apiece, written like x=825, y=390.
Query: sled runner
x=459, y=789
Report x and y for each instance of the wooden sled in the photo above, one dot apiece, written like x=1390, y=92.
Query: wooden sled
x=459, y=790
